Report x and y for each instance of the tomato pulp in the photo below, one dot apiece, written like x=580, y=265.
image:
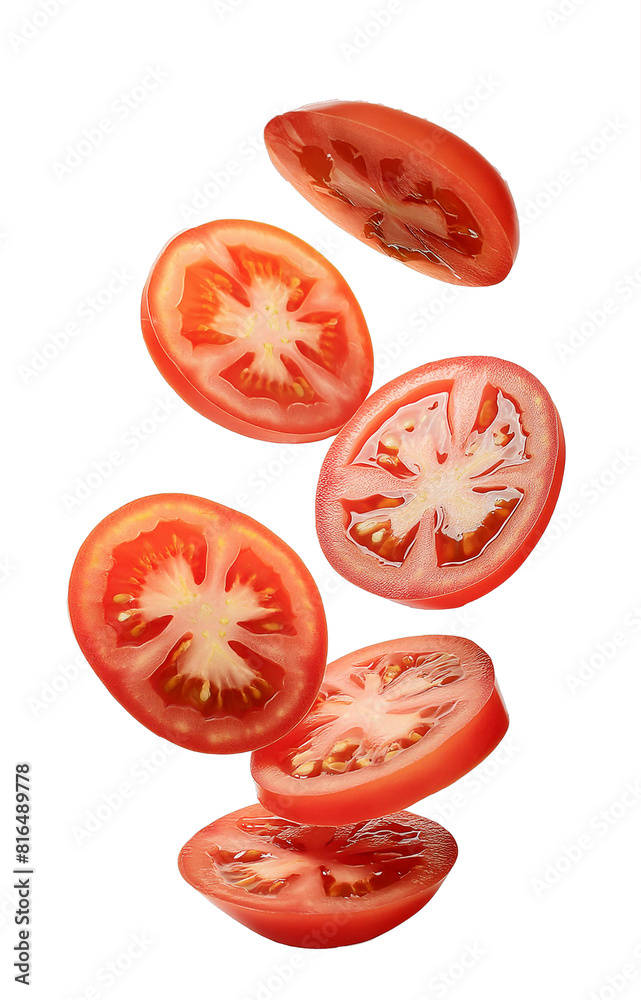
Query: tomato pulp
x=392, y=723
x=408, y=188
x=318, y=887
x=257, y=331
x=442, y=483
x=203, y=624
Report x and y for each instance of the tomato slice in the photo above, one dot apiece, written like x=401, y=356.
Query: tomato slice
x=406, y=187
x=257, y=331
x=203, y=624
x=392, y=723
x=318, y=887
x=442, y=483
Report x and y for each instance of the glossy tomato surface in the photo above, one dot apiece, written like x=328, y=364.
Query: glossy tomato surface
x=408, y=188
x=442, y=483
x=392, y=723
x=257, y=331
x=318, y=887
x=203, y=624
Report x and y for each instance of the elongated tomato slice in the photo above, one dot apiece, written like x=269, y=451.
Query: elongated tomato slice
x=408, y=188
x=442, y=483
x=203, y=624
x=257, y=331
x=318, y=887
x=392, y=723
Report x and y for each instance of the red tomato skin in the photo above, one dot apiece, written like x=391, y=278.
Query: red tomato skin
x=461, y=753
x=307, y=930
x=88, y=631
x=315, y=925
x=204, y=405
x=457, y=597
x=452, y=153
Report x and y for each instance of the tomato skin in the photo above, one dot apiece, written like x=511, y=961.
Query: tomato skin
x=429, y=147
x=125, y=677
x=316, y=921
x=440, y=592
x=332, y=799
x=242, y=422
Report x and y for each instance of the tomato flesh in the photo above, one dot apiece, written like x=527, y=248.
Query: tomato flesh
x=408, y=188
x=392, y=723
x=257, y=331
x=318, y=887
x=205, y=625
x=442, y=483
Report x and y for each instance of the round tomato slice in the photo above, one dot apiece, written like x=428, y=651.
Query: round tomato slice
x=406, y=187
x=392, y=723
x=442, y=483
x=257, y=331
x=318, y=887
x=203, y=624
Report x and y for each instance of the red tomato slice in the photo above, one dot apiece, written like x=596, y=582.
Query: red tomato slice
x=392, y=723
x=318, y=887
x=442, y=483
x=203, y=624
x=406, y=187
x=257, y=331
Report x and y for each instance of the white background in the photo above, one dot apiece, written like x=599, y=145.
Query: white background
x=529, y=84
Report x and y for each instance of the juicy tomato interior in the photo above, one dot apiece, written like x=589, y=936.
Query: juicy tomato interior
x=204, y=624
x=442, y=477
x=257, y=331
x=410, y=189
x=318, y=886
x=392, y=723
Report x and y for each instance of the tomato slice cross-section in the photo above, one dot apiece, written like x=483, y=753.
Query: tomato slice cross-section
x=442, y=483
x=410, y=189
x=257, y=331
x=318, y=887
x=201, y=622
x=392, y=723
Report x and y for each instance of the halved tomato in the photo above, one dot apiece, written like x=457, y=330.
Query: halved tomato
x=442, y=483
x=392, y=723
x=201, y=622
x=257, y=331
x=408, y=188
x=318, y=887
